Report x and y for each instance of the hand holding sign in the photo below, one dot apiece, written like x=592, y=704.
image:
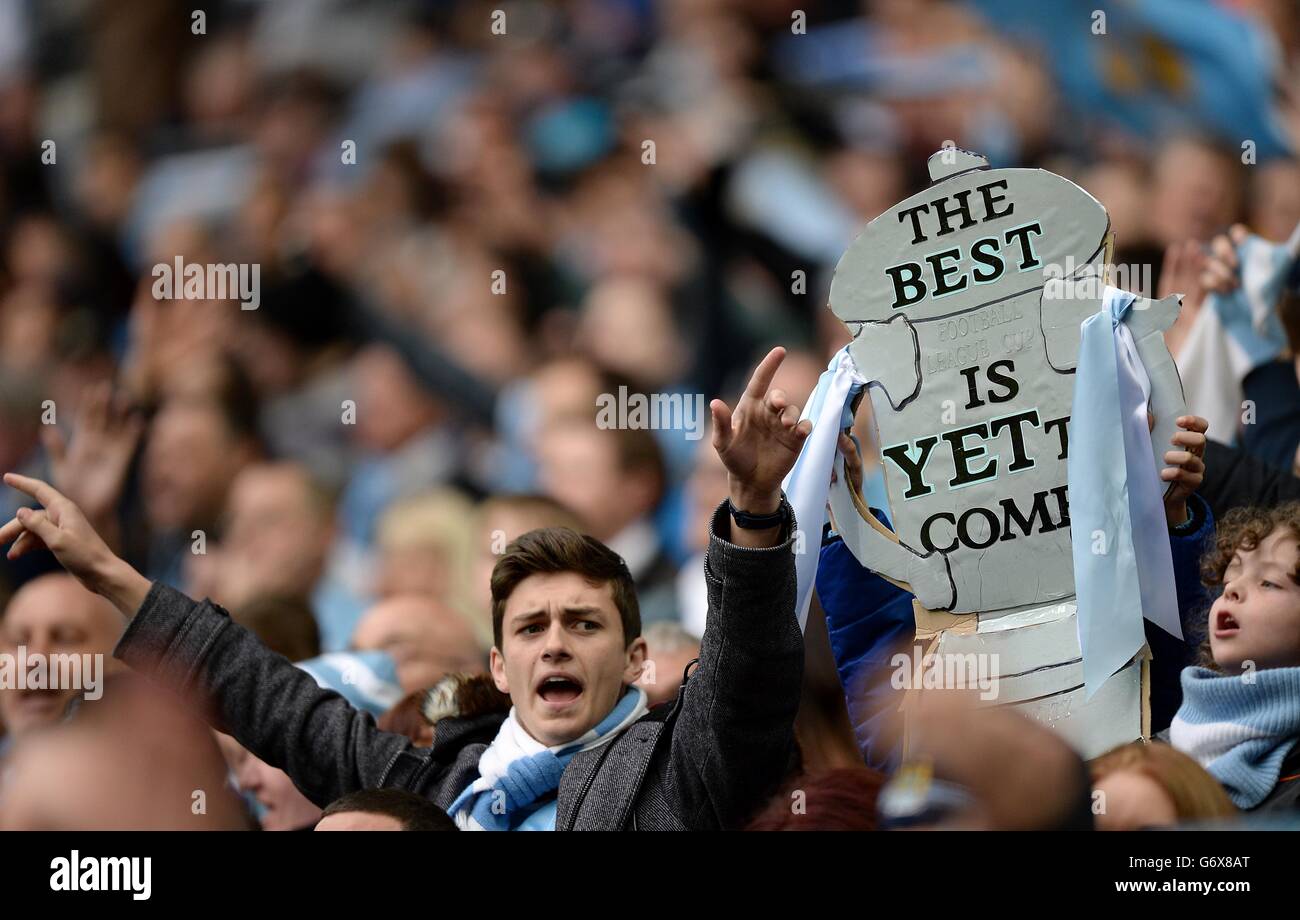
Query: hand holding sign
x=1186, y=469
x=852, y=462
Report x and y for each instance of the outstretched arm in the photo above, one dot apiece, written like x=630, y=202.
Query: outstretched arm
x=243, y=688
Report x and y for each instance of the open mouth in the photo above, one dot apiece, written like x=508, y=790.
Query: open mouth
x=559, y=689
x=1225, y=625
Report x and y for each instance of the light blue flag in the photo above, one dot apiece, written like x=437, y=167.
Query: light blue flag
x=1123, y=566
x=1248, y=313
x=1159, y=67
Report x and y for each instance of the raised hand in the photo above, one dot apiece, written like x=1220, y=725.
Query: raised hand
x=91, y=471
x=1181, y=273
x=759, y=440
x=62, y=528
x=1221, y=270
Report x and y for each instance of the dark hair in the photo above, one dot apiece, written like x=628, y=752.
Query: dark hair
x=303, y=304
x=559, y=549
x=284, y=623
x=414, y=812
x=1243, y=529
x=843, y=799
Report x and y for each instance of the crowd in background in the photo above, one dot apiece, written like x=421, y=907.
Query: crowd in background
x=466, y=235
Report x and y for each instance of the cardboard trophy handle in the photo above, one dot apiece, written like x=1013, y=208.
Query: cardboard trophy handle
x=878, y=548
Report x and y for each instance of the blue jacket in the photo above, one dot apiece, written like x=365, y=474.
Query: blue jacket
x=1169, y=655
x=870, y=620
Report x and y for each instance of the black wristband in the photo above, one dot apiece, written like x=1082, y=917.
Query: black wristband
x=746, y=521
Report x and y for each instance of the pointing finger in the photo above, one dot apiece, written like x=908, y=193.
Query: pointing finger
x=763, y=374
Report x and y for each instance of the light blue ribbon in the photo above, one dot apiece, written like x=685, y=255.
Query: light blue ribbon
x=808, y=483
x=1123, y=567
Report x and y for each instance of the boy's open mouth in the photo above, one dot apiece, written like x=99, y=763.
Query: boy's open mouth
x=559, y=688
x=1225, y=625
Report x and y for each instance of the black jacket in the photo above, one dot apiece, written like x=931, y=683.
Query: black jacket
x=1235, y=479
x=707, y=762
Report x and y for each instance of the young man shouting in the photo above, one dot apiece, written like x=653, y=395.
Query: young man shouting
x=577, y=749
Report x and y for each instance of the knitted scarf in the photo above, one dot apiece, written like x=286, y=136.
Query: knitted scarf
x=1239, y=728
x=517, y=771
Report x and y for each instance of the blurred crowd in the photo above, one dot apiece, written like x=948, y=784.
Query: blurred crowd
x=471, y=220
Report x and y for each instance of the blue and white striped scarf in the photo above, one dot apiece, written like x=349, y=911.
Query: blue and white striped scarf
x=517, y=771
x=1239, y=728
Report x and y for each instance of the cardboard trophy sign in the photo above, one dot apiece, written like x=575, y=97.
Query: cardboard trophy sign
x=965, y=302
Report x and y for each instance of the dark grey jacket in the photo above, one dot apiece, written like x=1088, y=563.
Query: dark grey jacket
x=706, y=763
